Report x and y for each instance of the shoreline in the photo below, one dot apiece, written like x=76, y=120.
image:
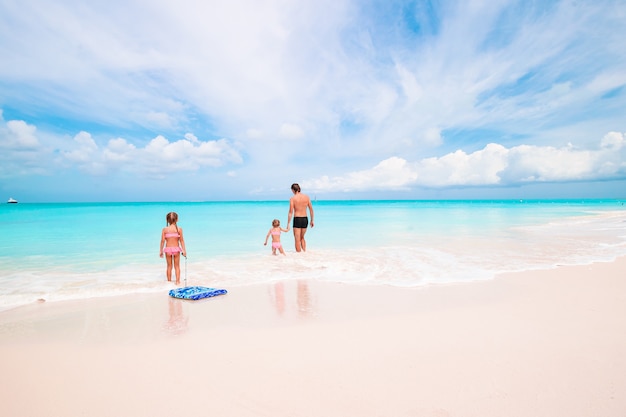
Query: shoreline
x=540, y=343
x=395, y=243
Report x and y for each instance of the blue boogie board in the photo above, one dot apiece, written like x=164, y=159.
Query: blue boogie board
x=196, y=293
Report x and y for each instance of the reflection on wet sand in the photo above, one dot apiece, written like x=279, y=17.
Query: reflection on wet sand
x=177, y=322
x=279, y=297
x=303, y=300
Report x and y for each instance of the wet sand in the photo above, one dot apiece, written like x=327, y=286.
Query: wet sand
x=540, y=343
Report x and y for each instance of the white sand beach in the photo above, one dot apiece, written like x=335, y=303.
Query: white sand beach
x=542, y=343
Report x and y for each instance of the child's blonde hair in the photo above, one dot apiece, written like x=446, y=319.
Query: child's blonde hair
x=276, y=223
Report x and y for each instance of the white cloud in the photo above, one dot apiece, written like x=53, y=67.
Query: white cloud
x=156, y=159
x=85, y=150
x=252, y=133
x=161, y=157
x=492, y=165
x=392, y=173
x=160, y=119
x=18, y=135
x=85, y=156
x=118, y=151
x=613, y=140
x=411, y=89
x=290, y=131
x=459, y=168
x=433, y=136
x=20, y=149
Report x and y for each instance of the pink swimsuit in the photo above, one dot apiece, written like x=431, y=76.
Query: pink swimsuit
x=172, y=250
x=275, y=245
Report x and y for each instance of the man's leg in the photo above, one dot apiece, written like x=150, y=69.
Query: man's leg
x=297, y=237
x=302, y=241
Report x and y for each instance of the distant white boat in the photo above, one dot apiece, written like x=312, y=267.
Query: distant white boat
x=12, y=201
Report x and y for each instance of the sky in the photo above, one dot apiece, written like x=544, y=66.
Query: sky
x=187, y=100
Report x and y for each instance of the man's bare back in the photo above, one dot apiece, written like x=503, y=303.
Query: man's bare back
x=300, y=203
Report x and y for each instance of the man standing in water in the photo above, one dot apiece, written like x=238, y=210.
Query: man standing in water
x=297, y=208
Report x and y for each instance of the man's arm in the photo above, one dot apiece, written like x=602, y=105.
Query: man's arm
x=291, y=208
x=311, y=211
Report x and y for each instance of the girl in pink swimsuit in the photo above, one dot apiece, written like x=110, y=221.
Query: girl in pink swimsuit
x=275, y=233
x=172, y=245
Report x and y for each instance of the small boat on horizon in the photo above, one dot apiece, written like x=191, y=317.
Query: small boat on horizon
x=12, y=201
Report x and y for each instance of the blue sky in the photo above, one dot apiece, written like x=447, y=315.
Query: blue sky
x=235, y=100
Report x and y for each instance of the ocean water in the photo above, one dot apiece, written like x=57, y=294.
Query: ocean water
x=74, y=251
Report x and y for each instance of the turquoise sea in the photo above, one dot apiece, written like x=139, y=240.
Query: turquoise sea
x=82, y=250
